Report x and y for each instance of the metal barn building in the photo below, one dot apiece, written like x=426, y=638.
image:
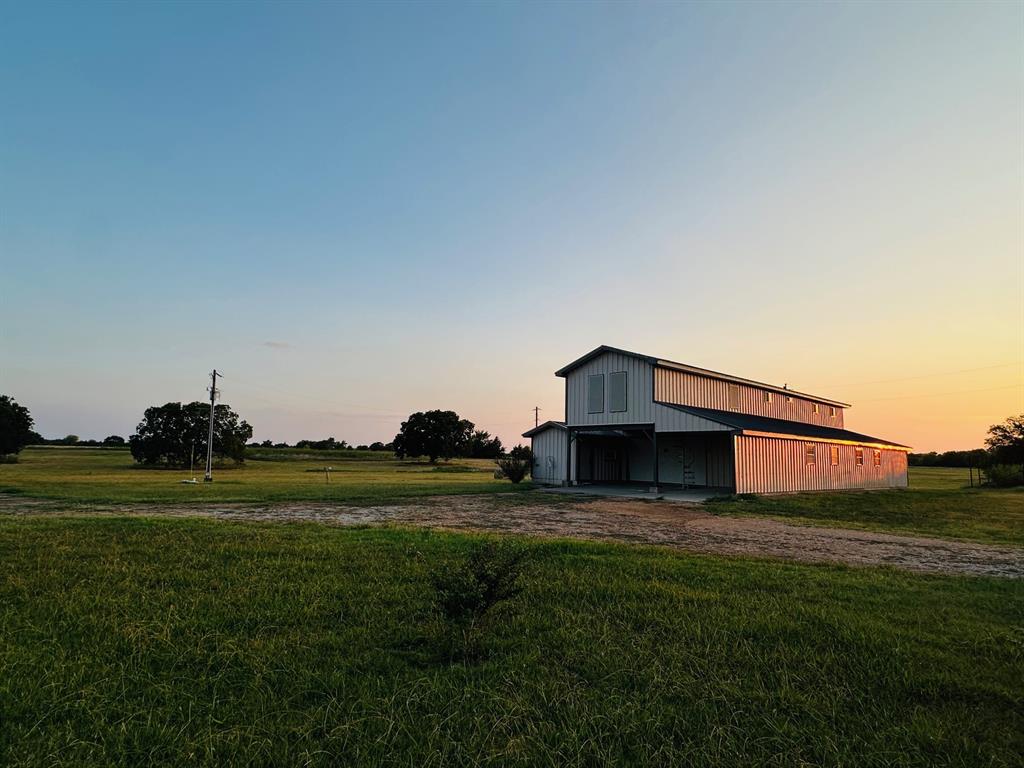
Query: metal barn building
x=636, y=419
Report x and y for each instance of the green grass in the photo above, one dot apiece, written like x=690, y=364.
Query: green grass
x=93, y=475
x=150, y=641
x=938, y=503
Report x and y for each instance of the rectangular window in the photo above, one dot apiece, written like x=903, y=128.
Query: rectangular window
x=833, y=455
x=734, y=397
x=617, y=392
x=858, y=456
x=809, y=454
x=815, y=406
x=767, y=397
x=595, y=393
x=878, y=458
x=832, y=411
x=789, y=399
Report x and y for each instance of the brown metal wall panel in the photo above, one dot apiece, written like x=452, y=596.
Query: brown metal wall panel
x=778, y=465
x=684, y=388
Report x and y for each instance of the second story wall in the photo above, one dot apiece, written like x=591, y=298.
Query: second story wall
x=634, y=373
x=684, y=388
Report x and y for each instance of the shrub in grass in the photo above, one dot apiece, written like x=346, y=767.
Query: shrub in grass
x=732, y=497
x=1005, y=475
x=468, y=592
x=514, y=469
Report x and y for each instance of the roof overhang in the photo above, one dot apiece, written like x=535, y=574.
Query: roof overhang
x=544, y=427
x=832, y=440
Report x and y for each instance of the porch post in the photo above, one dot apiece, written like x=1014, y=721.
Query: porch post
x=568, y=457
x=654, y=444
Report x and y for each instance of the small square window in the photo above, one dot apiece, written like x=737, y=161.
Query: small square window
x=878, y=458
x=858, y=456
x=833, y=455
x=809, y=454
x=789, y=399
x=734, y=397
x=816, y=409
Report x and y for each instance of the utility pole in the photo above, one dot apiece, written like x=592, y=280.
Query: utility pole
x=536, y=415
x=208, y=478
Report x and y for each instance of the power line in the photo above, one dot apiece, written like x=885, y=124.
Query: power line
x=944, y=394
x=922, y=376
x=380, y=411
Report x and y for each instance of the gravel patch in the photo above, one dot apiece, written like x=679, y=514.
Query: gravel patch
x=689, y=527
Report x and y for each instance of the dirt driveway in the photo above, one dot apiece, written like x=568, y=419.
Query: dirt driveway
x=690, y=527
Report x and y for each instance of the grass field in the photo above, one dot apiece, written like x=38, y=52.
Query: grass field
x=98, y=475
x=938, y=503
x=150, y=641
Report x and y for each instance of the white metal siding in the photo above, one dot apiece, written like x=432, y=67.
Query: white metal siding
x=640, y=405
x=639, y=388
x=777, y=465
x=549, y=456
x=684, y=388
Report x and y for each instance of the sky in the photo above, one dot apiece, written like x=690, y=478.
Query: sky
x=360, y=211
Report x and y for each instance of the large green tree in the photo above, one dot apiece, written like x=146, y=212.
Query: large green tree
x=167, y=433
x=15, y=426
x=434, y=434
x=1006, y=441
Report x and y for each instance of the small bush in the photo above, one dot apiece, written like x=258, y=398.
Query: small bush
x=514, y=469
x=468, y=591
x=1005, y=475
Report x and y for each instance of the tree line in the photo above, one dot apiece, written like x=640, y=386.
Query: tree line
x=176, y=434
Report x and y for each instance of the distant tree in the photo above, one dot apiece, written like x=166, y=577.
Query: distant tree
x=482, y=446
x=34, y=438
x=362, y=447
x=267, y=444
x=113, y=440
x=330, y=444
x=167, y=433
x=378, y=446
x=1006, y=441
x=281, y=445
x=434, y=434
x=69, y=440
x=15, y=426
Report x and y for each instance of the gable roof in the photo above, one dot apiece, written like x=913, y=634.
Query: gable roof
x=747, y=422
x=661, y=363
x=541, y=427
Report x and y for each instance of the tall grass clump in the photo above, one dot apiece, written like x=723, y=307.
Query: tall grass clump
x=470, y=593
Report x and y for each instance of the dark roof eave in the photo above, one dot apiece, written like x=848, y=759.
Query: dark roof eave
x=752, y=424
x=542, y=427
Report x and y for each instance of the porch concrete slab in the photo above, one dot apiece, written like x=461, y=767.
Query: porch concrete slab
x=627, y=492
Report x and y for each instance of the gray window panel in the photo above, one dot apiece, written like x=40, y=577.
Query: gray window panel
x=617, y=392
x=595, y=393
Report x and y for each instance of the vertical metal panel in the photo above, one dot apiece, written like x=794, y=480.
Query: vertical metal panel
x=549, y=456
x=777, y=465
x=684, y=388
x=639, y=386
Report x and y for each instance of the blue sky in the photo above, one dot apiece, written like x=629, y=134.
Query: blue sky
x=357, y=211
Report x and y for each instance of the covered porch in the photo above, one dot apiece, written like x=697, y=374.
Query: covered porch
x=640, y=457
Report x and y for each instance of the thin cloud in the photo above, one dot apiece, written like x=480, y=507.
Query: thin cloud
x=277, y=344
